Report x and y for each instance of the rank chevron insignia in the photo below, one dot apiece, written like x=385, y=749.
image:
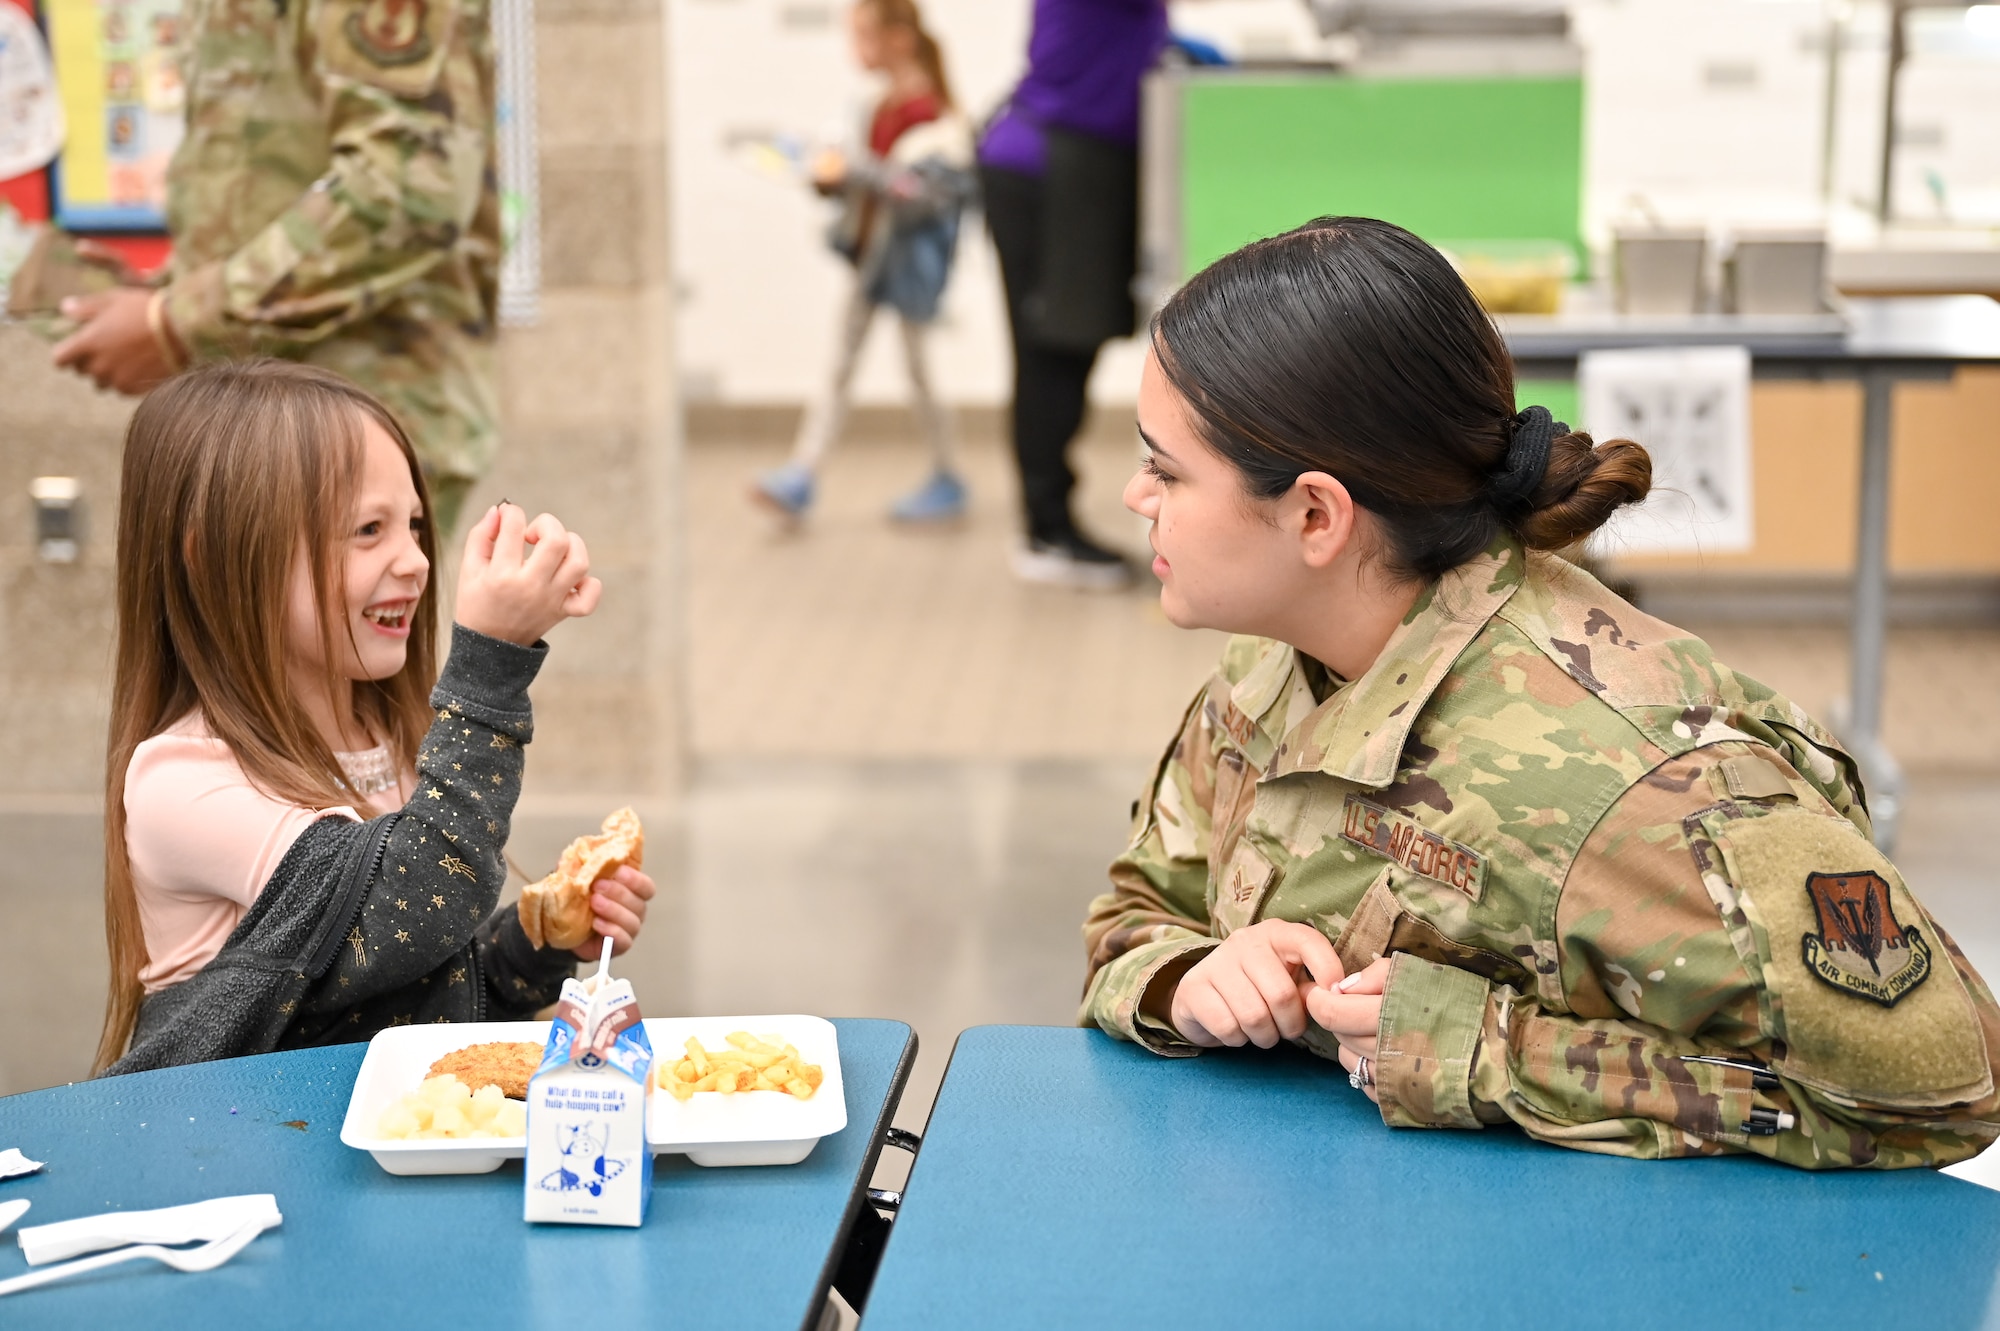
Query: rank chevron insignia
x=1861, y=947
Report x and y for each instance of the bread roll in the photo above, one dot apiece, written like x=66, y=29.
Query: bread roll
x=556, y=911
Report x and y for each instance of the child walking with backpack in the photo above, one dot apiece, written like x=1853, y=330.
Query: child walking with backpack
x=898, y=226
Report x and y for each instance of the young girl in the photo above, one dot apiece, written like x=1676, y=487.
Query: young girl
x=302, y=835
x=1450, y=812
x=899, y=228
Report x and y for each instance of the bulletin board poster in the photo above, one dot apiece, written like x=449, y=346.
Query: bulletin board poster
x=118, y=73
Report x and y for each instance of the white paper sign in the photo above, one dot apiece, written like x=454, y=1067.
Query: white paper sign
x=31, y=118
x=1690, y=407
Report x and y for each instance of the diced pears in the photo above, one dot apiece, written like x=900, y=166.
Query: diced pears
x=445, y=1090
x=443, y=1107
x=396, y=1122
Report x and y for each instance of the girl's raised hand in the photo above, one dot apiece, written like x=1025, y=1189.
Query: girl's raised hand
x=508, y=592
x=1250, y=988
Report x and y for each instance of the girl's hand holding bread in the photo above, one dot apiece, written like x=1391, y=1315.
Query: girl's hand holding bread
x=618, y=911
x=508, y=592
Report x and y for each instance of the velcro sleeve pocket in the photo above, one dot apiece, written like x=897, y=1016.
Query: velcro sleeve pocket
x=1857, y=993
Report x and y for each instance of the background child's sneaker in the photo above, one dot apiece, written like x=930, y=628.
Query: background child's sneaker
x=788, y=491
x=1072, y=560
x=939, y=499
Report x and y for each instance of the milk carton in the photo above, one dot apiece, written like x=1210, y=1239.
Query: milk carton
x=588, y=1163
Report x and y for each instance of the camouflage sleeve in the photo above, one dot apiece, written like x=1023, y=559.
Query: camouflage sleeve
x=401, y=87
x=1742, y=972
x=1153, y=924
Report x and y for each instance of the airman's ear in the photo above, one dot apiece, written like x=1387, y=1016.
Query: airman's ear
x=1326, y=518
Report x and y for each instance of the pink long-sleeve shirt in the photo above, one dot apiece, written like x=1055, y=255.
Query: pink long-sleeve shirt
x=203, y=841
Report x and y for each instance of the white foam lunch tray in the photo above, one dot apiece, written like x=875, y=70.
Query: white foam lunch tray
x=748, y=1128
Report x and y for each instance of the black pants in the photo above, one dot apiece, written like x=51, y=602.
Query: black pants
x=1050, y=385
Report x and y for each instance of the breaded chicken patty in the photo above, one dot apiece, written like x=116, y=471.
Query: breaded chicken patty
x=504, y=1063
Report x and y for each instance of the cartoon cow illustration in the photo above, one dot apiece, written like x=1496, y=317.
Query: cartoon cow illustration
x=584, y=1168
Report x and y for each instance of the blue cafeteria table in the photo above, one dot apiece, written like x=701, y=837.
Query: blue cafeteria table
x=1069, y=1180
x=748, y=1247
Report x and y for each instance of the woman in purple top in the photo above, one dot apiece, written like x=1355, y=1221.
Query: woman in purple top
x=1059, y=168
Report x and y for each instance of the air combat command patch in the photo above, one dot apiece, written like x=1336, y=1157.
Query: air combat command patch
x=1861, y=947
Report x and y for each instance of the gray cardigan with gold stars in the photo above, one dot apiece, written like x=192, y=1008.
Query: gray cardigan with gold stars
x=388, y=922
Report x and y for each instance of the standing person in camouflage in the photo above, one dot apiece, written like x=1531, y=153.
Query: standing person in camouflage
x=1454, y=814
x=335, y=202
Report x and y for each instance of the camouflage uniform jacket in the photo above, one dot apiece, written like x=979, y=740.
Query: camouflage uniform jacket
x=335, y=201
x=1596, y=858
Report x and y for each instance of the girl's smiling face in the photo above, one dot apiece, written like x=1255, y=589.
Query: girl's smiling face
x=383, y=576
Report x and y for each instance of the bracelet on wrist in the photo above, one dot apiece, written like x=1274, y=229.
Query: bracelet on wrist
x=162, y=329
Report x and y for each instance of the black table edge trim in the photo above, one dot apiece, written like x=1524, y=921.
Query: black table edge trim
x=858, y=1196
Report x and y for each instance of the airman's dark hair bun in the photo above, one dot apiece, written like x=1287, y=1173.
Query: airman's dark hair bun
x=1351, y=347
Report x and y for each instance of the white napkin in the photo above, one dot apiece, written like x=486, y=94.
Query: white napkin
x=10, y=1212
x=1983, y=1169
x=195, y=1222
x=12, y=1162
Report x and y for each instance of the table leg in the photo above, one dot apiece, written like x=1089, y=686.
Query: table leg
x=1870, y=615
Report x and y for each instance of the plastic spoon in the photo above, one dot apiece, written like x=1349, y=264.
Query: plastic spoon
x=204, y=1258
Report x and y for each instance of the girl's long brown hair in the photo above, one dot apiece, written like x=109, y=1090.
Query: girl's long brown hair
x=230, y=472
x=905, y=14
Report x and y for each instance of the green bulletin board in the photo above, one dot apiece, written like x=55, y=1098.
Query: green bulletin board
x=1481, y=158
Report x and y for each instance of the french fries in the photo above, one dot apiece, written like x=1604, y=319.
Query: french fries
x=748, y=1064
x=444, y=1107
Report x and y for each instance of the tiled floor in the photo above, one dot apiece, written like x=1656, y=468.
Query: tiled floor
x=849, y=637
x=911, y=771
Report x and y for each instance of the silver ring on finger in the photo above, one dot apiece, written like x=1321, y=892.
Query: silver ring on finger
x=1363, y=1075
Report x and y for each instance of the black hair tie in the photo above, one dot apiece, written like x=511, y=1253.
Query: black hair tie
x=1529, y=437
